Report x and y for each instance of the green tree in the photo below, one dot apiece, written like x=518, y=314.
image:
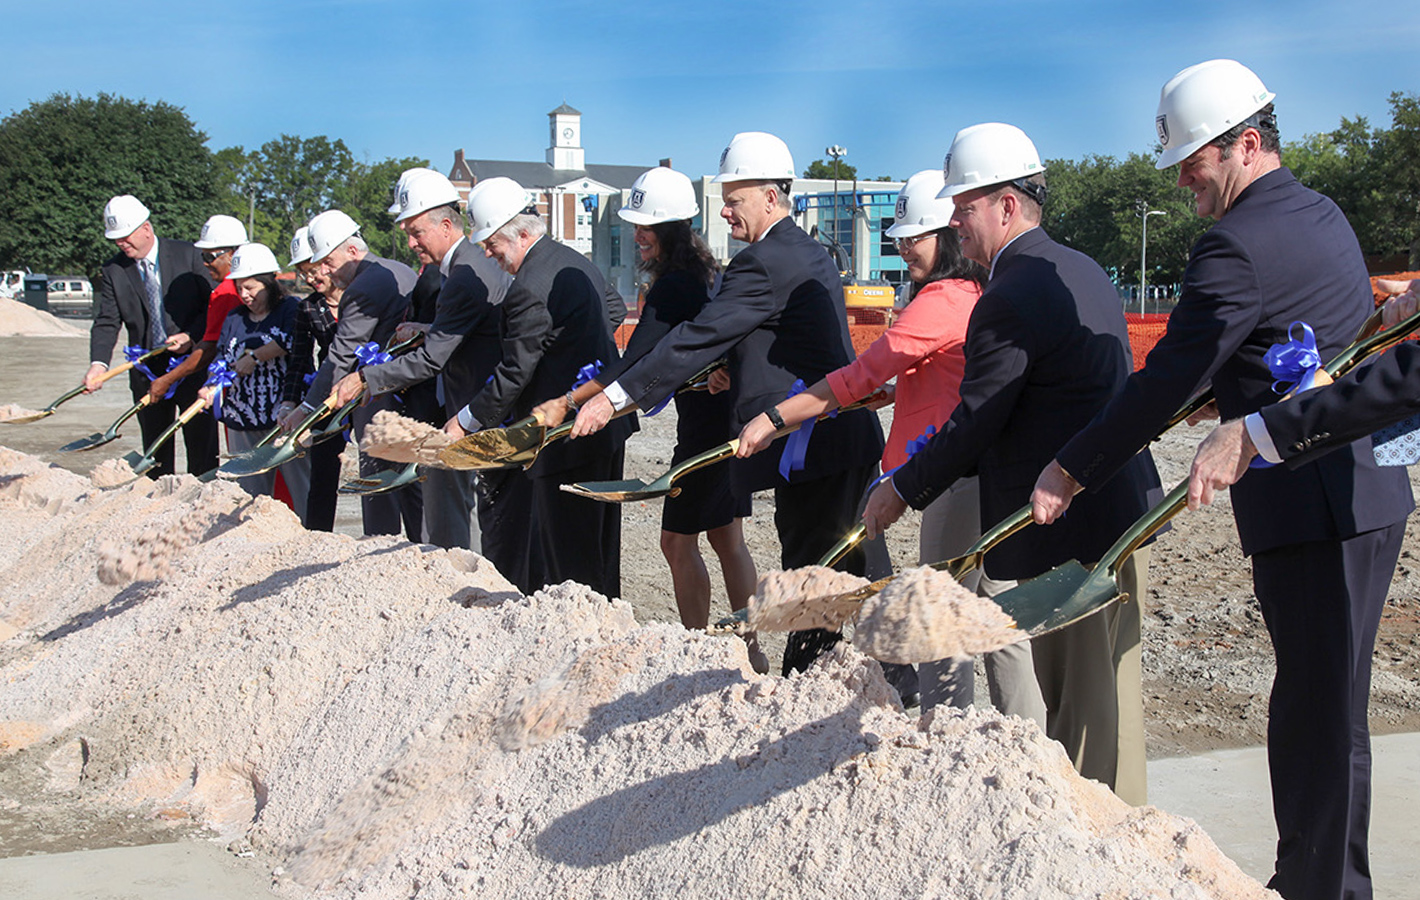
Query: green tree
x=294, y=178
x=365, y=195
x=61, y=159
x=821, y=169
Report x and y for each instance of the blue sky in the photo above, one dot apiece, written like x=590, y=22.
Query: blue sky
x=892, y=82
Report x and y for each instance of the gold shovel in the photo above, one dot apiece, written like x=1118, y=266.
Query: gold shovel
x=70, y=395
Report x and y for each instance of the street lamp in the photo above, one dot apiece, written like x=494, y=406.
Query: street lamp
x=1144, y=213
x=835, y=153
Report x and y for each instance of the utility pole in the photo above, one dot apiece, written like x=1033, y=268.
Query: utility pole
x=1144, y=213
x=836, y=153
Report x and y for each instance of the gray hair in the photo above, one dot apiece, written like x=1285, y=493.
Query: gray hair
x=523, y=223
x=356, y=242
x=449, y=212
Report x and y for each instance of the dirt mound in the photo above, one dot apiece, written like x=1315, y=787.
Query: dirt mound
x=22, y=320
x=387, y=720
x=923, y=615
x=393, y=437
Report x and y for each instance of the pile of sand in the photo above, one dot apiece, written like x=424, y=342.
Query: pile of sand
x=803, y=598
x=9, y=412
x=22, y=320
x=393, y=437
x=387, y=720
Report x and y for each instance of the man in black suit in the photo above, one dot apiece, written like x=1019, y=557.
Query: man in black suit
x=460, y=347
x=555, y=322
x=1323, y=537
x=375, y=298
x=158, y=289
x=1046, y=347
x=778, y=316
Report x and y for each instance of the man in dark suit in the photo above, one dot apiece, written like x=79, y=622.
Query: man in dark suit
x=460, y=347
x=554, y=323
x=1323, y=537
x=374, y=302
x=1046, y=347
x=158, y=289
x=778, y=316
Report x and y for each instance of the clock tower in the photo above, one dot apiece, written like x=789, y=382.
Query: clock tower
x=565, y=149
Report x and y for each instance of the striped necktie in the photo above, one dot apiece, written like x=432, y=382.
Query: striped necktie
x=157, y=334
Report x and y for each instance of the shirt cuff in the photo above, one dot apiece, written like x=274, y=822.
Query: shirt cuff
x=617, y=395
x=467, y=422
x=1257, y=430
x=99, y=362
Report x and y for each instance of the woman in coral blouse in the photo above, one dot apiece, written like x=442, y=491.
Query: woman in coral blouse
x=925, y=351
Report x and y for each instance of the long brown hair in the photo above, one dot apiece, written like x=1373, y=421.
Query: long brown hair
x=682, y=250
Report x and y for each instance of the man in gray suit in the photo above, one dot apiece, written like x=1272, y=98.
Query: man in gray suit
x=375, y=299
x=460, y=347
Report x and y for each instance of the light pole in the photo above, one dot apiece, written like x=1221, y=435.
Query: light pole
x=1144, y=213
x=836, y=153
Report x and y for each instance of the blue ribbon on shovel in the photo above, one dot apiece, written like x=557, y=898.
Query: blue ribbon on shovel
x=797, y=447
x=587, y=373
x=134, y=354
x=1293, y=366
x=219, y=376
x=370, y=354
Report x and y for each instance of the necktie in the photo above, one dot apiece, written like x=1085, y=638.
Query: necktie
x=156, y=332
x=1398, y=444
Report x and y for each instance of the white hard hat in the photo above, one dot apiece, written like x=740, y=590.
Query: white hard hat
x=755, y=156
x=987, y=154
x=1202, y=102
x=253, y=259
x=919, y=209
x=221, y=231
x=660, y=195
x=399, y=185
x=122, y=216
x=421, y=192
x=301, y=246
x=329, y=230
x=492, y=203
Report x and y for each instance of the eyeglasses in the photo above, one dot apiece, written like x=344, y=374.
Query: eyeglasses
x=211, y=256
x=907, y=243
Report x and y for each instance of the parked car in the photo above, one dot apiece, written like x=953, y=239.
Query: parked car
x=71, y=295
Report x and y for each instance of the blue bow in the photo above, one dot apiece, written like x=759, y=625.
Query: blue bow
x=797, y=447
x=1294, y=364
x=371, y=355
x=133, y=354
x=913, y=446
x=587, y=373
x=219, y=376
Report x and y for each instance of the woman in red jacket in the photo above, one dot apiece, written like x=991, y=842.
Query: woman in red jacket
x=925, y=351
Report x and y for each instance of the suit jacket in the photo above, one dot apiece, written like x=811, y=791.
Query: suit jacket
x=779, y=316
x=1281, y=254
x=554, y=322
x=463, y=341
x=1367, y=399
x=124, y=300
x=1046, y=347
x=373, y=304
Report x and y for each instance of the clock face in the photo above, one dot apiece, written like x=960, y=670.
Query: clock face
x=567, y=133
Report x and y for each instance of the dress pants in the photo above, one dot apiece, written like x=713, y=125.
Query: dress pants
x=1322, y=602
x=507, y=527
x=1089, y=674
x=392, y=511
x=950, y=525
x=448, y=508
x=323, y=485
x=810, y=517
x=199, y=435
x=580, y=538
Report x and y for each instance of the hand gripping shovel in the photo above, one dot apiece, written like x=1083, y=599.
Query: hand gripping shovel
x=341, y=419
x=520, y=443
x=141, y=463
x=70, y=395
x=99, y=438
x=279, y=451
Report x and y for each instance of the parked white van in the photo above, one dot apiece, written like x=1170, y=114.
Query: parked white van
x=71, y=295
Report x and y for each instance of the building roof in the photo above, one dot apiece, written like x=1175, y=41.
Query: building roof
x=540, y=175
x=565, y=110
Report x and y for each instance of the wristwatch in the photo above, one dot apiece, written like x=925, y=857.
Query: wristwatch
x=774, y=418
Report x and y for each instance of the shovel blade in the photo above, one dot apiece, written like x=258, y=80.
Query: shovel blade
x=138, y=462
x=382, y=482
x=618, y=491
x=33, y=417
x=495, y=448
x=97, y=439
x=1060, y=597
x=262, y=459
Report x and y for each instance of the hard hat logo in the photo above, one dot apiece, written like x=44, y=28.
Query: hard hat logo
x=111, y=222
x=404, y=199
x=1162, y=124
x=901, y=206
x=638, y=197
